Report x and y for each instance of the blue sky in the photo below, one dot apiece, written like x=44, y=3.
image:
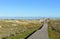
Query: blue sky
x=29, y=8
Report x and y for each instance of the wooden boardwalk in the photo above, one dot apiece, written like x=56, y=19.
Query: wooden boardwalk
x=40, y=34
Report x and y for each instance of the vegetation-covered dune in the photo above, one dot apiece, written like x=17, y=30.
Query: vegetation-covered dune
x=54, y=29
x=17, y=29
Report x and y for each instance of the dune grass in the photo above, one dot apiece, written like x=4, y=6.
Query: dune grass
x=53, y=34
x=23, y=34
x=18, y=29
x=54, y=29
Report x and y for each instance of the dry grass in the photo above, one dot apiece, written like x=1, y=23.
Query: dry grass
x=17, y=29
x=54, y=29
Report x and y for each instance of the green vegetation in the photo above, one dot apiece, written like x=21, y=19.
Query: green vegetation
x=54, y=29
x=17, y=29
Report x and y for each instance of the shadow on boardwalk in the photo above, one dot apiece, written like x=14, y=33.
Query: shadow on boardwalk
x=41, y=33
x=33, y=32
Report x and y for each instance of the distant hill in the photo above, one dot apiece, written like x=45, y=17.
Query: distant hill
x=20, y=17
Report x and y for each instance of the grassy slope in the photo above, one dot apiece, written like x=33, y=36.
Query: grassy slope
x=23, y=28
x=53, y=29
x=53, y=34
x=23, y=35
